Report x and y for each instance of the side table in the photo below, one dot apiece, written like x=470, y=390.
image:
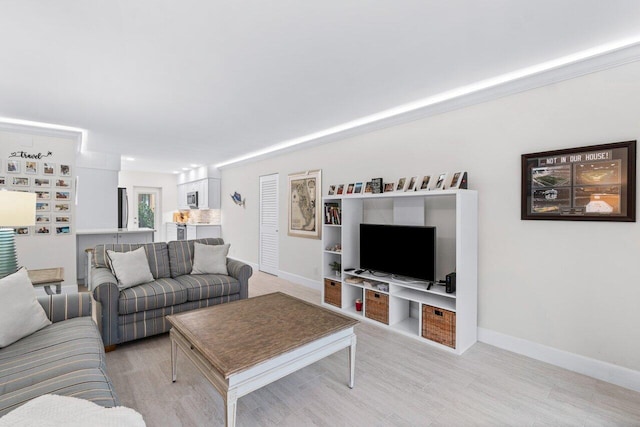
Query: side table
x=47, y=277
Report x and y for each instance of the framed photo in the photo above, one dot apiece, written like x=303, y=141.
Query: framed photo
x=63, y=195
x=350, y=188
x=368, y=188
x=590, y=183
x=340, y=189
x=63, y=219
x=30, y=167
x=376, y=185
x=412, y=184
x=458, y=180
x=43, y=218
x=61, y=207
x=439, y=185
x=63, y=183
x=49, y=168
x=42, y=229
x=389, y=186
x=65, y=170
x=357, y=189
x=332, y=190
x=20, y=181
x=304, y=204
x=21, y=231
x=402, y=183
x=41, y=182
x=13, y=166
x=63, y=229
x=42, y=206
x=423, y=183
x=3, y=180
x=43, y=195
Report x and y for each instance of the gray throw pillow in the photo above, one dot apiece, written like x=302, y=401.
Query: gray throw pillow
x=20, y=312
x=130, y=268
x=210, y=259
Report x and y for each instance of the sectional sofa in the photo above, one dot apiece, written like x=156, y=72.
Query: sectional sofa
x=139, y=311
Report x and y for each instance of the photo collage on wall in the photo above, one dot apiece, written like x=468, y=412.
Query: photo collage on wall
x=53, y=186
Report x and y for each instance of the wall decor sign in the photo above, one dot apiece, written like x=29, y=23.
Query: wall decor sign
x=591, y=183
x=304, y=204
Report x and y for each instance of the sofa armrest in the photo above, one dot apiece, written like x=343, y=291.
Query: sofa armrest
x=240, y=271
x=106, y=292
x=61, y=307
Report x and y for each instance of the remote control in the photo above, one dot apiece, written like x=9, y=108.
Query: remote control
x=359, y=271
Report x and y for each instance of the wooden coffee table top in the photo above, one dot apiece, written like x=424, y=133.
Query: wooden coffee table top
x=237, y=335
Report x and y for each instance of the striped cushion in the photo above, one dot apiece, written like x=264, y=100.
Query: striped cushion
x=205, y=286
x=157, y=256
x=66, y=306
x=148, y=296
x=181, y=254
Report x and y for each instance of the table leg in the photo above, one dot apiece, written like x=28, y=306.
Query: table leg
x=174, y=357
x=48, y=290
x=59, y=288
x=230, y=407
x=352, y=362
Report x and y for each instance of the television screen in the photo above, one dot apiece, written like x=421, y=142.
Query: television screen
x=401, y=250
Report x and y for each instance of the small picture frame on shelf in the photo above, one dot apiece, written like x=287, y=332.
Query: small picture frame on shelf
x=423, y=183
x=402, y=183
x=340, y=189
x=389, y=187
x=411, y=186
x=376, y=185
x=458, y=180
x=350, y=188
x=368, y=188
x=332, y=190
x=3, y=180
x=357, y=189
x=440, y=183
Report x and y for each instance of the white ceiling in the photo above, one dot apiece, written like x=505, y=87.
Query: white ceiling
x=174, y=83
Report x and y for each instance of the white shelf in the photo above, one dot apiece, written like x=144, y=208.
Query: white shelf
x=425, y=298
x=332, y=252
x=363, y=286
x=410, y=325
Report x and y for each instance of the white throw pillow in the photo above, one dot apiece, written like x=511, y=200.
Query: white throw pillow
x=210, y=259
x=130, y=268
x=20, y=312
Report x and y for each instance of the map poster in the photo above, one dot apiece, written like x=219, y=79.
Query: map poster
x=592, y=183
x=304, y=204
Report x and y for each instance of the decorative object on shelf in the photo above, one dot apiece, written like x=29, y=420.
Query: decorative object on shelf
x=376, y=185
x=237, y=199
x=17, y=209
x=458, y=180
x=389, y=187
x=423, y=184
x=402, y=182
x=591, y=183
x=368, y=188
x=440, y=182
x=304, y=204
x=357, y=189
x=335, y=248
x=336, y=267
x=332, y=190
x=358, y=304
x=340, y=189
x=412, y=184
x=350, y=188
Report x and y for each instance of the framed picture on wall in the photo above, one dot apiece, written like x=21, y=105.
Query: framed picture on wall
x=49, y=168
x=13, y=166
x=304, y=204
x=590, y=183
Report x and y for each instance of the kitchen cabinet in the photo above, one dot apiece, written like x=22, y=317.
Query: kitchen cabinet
x=202, y=231
x=172, y=231
x=208, y=193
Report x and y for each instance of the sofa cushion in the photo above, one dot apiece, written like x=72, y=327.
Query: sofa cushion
x=210, y=259
x=157, y=294
x=157, y=256
x=20, y=312
x=205, y=286
x=181, y=254
x=130, y=268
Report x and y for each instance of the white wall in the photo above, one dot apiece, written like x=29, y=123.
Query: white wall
x=167, y=183
x=569, y=286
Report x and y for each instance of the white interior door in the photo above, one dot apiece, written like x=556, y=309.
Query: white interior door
x=146, y=210
x=269, y=224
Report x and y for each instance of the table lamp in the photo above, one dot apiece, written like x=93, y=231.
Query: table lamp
x=17, y=209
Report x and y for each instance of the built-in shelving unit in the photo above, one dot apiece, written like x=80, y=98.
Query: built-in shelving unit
x=445, y=320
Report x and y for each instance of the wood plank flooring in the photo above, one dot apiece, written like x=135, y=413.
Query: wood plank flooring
x=399, y=382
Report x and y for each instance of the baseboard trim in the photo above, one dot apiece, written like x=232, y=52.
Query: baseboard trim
x=301, y=280
x=614, y=374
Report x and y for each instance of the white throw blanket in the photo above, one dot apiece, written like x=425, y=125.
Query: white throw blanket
x=51, y=410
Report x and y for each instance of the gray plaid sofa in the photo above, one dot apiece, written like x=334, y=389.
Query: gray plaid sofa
x=140, y=311
x=65, y=358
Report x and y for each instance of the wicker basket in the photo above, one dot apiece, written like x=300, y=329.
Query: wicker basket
x=439, y=325
x=376, y=306
x=333, y=292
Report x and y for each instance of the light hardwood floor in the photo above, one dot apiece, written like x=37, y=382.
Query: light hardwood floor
x=399, y=382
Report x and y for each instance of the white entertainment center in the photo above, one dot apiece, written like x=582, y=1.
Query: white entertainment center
x=445, y=320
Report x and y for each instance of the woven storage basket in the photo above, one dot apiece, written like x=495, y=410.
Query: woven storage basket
x=333, y=292
x=376, y=306
x=439, y=325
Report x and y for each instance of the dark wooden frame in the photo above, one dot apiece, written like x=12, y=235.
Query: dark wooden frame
x=623, y=153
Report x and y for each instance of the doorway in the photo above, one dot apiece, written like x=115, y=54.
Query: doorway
x=147, y=210
x=269, y=245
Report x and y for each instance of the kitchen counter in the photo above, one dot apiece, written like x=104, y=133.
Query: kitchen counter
x=115, y=230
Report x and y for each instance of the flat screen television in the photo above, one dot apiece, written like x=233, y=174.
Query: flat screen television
x=392, y=249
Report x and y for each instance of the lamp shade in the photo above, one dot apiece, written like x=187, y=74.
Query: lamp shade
x=17, y=209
